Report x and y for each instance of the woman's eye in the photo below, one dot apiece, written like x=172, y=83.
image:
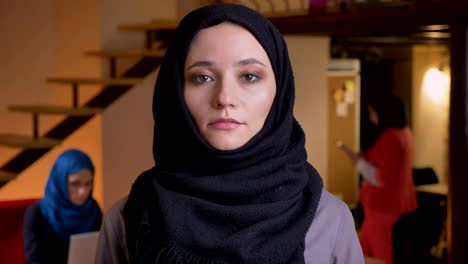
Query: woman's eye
x=75, y=184
x=249, y=77
x=202, y=78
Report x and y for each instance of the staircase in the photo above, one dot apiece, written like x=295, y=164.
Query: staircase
x=158, y=36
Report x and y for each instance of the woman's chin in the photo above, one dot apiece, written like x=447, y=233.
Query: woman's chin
x=226, y=144
x=78, y=203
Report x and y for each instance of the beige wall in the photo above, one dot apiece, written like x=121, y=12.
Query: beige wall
x=116, y=12
x=127, y=140
x=185, y=6
x=309, y=58
x=430, y=114
x=26, y=52
x=128, y=123
x=47, y=38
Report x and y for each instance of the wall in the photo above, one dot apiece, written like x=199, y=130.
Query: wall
x=127, y=129
x=402, y=72
x=127, y=140
x=26, y=52
x=309, y=58
x=46, y=38
x=430, y=113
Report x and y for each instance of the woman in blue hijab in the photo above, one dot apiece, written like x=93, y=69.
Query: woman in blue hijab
x=67, y=208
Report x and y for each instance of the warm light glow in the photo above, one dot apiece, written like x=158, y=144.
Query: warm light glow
x=436, y=86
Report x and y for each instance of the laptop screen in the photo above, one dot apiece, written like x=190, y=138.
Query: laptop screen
x=82, y=249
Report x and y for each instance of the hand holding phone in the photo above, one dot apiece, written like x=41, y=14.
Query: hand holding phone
x=349, y=152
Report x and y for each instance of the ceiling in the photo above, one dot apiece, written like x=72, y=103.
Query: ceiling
x=417, y=22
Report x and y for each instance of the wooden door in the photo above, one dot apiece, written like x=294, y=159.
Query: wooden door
x=343, y=125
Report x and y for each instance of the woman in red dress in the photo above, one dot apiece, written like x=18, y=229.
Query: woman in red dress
x=388, y=190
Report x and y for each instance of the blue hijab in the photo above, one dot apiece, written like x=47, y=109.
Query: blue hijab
x=56, y=207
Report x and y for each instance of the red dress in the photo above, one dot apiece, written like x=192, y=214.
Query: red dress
x=392, y=154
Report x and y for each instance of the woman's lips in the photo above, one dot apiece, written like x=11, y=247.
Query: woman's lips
x=225, y=123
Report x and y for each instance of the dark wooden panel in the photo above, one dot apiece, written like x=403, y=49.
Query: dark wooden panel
x=377, y=21
x=458, y=147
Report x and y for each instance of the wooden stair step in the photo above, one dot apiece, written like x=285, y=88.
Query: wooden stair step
x=155, y=25
x=56, y=110
x=27, y=142
x=7, y=176
x=156, y=53
x=105, y=82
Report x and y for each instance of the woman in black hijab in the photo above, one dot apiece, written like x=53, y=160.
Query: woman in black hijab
x=231, y=182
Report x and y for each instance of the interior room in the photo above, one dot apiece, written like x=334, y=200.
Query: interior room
x=81, y=74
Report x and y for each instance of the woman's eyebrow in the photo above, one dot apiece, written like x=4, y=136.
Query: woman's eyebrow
x=250, y=61
x=199, y=64
x=239, y=63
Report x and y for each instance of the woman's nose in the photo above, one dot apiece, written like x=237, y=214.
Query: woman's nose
x=225, y=95
x=82, y=191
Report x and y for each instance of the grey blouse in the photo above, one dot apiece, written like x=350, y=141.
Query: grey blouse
x=331, y=237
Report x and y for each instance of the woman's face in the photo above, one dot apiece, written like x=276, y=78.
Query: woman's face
x=229, y=85
x=80, y=185
x=374, y=118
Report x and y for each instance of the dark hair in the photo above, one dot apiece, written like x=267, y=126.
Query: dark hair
x=391, y=111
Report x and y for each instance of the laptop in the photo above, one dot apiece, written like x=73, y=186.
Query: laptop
x=82, y=249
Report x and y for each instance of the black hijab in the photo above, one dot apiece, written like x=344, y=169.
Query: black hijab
x=198, y=204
